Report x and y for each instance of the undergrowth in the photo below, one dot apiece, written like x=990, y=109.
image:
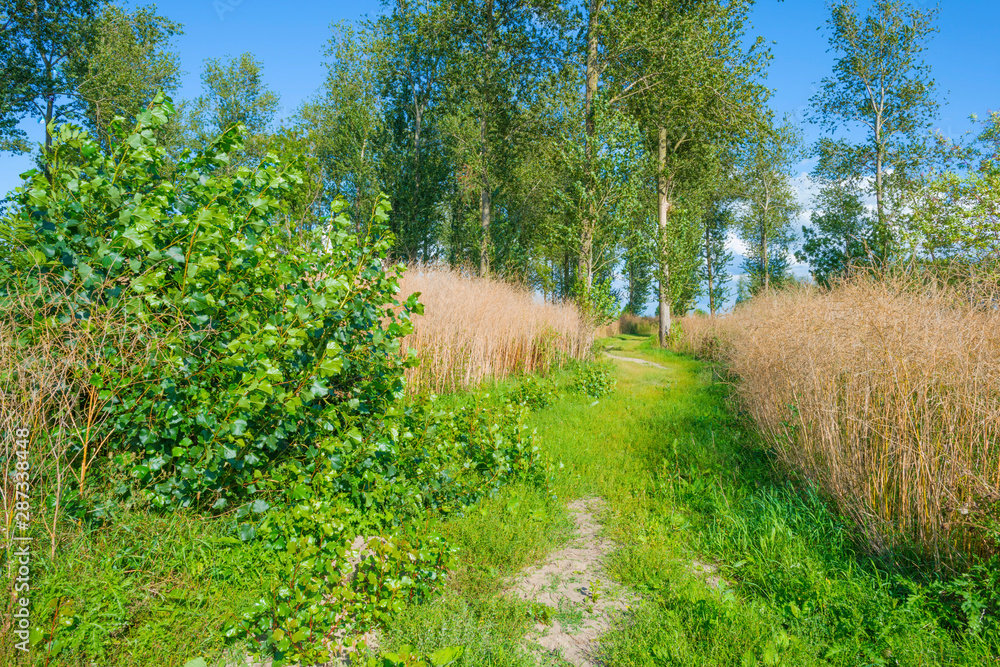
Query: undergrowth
x=688, y=480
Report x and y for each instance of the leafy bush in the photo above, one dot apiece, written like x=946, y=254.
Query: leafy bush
x=406, y=657
x=422, y=461
x=594, y=380
x=265, y=374
x=267, y=338
x=535, y=393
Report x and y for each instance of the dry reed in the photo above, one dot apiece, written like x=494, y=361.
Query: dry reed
x=475, y=328
x=633, y=325
x=886, y=393
x=52, y=367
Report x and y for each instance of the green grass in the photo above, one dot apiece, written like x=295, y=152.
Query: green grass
x=150, y=589
x=686, y=479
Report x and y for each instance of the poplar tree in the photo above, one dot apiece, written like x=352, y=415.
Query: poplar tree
x=39, y=42
x=503, y=50
x=715, y=256
x=234, y=94
x=685, y=74
x=125, y=64
x=881, y=87
x=769, y=203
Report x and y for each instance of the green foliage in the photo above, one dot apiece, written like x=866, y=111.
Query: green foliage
x=970, y=602
x=766, y=227
x=265, y=343
x=594, y=379
x=599, y=303
x=841, y=235
x=760, y=274
x=235, y=95
x=535, y=393
x=423, y=461
x=881, y=86
x=405, y=657
x=958, y=216
x=124, y=66
x=715, y=257
x=327, y=592
x=638, y=262
x=345, y=123
x=40, y=43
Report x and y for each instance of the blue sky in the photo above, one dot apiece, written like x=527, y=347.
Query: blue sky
x=289, y=39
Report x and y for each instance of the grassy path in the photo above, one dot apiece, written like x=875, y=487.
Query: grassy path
x=687, y=487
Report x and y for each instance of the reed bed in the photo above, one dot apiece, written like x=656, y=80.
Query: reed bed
x=633, y=325
x=53, y=365
x=884, y=392
x=475, y=328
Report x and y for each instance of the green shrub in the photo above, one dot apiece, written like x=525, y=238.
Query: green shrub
x=422, y=461
x=594, y=379
x=535, y=393
x=268, y=337
x=272, y=381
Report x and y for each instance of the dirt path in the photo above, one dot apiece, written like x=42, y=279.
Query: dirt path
x=578, y=597
x=641, y=362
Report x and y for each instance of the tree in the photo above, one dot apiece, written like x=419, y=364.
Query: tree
x=503, y=49
x=410, y=58
x=235, y=94
x=958, y=216
x=345, y=121
x=715, y=256
x=123, y=67
x=685, y=74
x=40, y=39
x=639, y=256
x=882, y=87
x=763, y=272
x=769, y=204
x=841, y=234
x=605, y=166
x=592, y=73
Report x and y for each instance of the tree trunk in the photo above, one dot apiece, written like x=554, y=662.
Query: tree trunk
x=709, y=266
x=663, y=209
x=415, y=213
x=485, y=195
x=767, y=267
x=882, y=234
x=586, y=261
x=485, y=200
x=50, y=103
x=567, y=282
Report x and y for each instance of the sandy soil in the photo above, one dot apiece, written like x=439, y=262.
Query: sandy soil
x=582, y=600
x=641, y=362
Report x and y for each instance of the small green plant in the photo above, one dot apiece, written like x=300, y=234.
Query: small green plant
x=535, y=393
x=407, y=657
x=540, y=613
x=594, y=379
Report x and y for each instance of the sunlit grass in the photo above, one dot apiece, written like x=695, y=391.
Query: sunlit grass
x=478, y=329
x=885, y=393
x=686, y=480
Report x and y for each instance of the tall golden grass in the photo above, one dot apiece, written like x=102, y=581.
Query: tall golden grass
x=886, y=393
x=52, y=364
x=634, y=325
x=475, y=328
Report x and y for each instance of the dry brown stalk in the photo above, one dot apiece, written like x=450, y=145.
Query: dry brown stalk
x=886, y=393
x=47, y=363
x=475, y=328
